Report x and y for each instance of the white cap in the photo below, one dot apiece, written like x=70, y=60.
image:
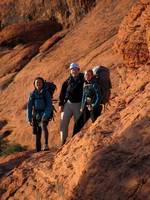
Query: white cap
x=74, y=66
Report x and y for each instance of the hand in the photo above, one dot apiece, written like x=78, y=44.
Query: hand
x=81, y=109
x=92, y=105
x=61, y=108
x=89, y=107
x=31, y=124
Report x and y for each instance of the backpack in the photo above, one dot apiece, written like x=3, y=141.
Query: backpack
x=102, y=76
x=50, y=87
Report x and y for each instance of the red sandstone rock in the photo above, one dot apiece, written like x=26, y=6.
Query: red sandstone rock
x=28, y=32
x=133, y=36
x=51, y=41
x=106, y=160
x=67, y=12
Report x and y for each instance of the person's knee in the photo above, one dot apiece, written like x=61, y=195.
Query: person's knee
x=44, y=124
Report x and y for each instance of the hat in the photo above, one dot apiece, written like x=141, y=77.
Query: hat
x=74, y=66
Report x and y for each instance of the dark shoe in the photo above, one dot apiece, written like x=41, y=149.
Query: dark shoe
x=46, y=148
x=37, y=150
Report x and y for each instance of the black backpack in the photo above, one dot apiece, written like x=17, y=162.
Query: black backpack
x=50, y=87
x=102, y=75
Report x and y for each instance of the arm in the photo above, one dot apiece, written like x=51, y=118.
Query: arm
x=63, y=94
x=30, y=107
x=48, y=109
x=97, y=94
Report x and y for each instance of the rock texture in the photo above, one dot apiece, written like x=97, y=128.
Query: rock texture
x=66, y=13
x=28, y=32
x=133, y=38
x=107, y=160
x=88, y=44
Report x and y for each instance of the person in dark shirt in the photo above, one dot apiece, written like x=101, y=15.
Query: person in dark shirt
x=70, y=99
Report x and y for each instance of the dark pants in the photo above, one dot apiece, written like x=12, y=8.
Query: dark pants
x=85, y=116
x=38, y=128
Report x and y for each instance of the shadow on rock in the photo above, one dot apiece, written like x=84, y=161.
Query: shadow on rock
x=8, y=166
x=120, y=171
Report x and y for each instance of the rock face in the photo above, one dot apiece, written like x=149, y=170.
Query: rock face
x=107, y=160
x=89, y=45
x=133, y=39
x=52, y=41
x=64, y=12
x=24, y=33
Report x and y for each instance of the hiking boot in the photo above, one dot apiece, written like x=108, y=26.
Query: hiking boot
x=38, y=150
x=46, y=148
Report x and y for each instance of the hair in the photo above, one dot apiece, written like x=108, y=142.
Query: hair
x=39, y=78
x=89, y=71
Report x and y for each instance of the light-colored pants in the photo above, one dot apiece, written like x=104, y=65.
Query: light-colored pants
x=70, y=109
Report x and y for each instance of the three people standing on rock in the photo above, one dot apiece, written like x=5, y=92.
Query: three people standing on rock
x=79, y=97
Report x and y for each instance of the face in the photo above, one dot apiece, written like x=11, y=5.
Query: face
x=38, y=84
x=75, y=72
x=88, y=76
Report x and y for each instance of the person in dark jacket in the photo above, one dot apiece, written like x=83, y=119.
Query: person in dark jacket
x=70, y=99
x=90, y=106
x=39, y=112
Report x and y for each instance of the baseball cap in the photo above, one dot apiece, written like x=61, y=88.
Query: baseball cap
x=74, y=66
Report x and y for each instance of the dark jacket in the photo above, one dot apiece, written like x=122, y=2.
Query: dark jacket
x=72, y=90
x=40, y=102
x=91, y=89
